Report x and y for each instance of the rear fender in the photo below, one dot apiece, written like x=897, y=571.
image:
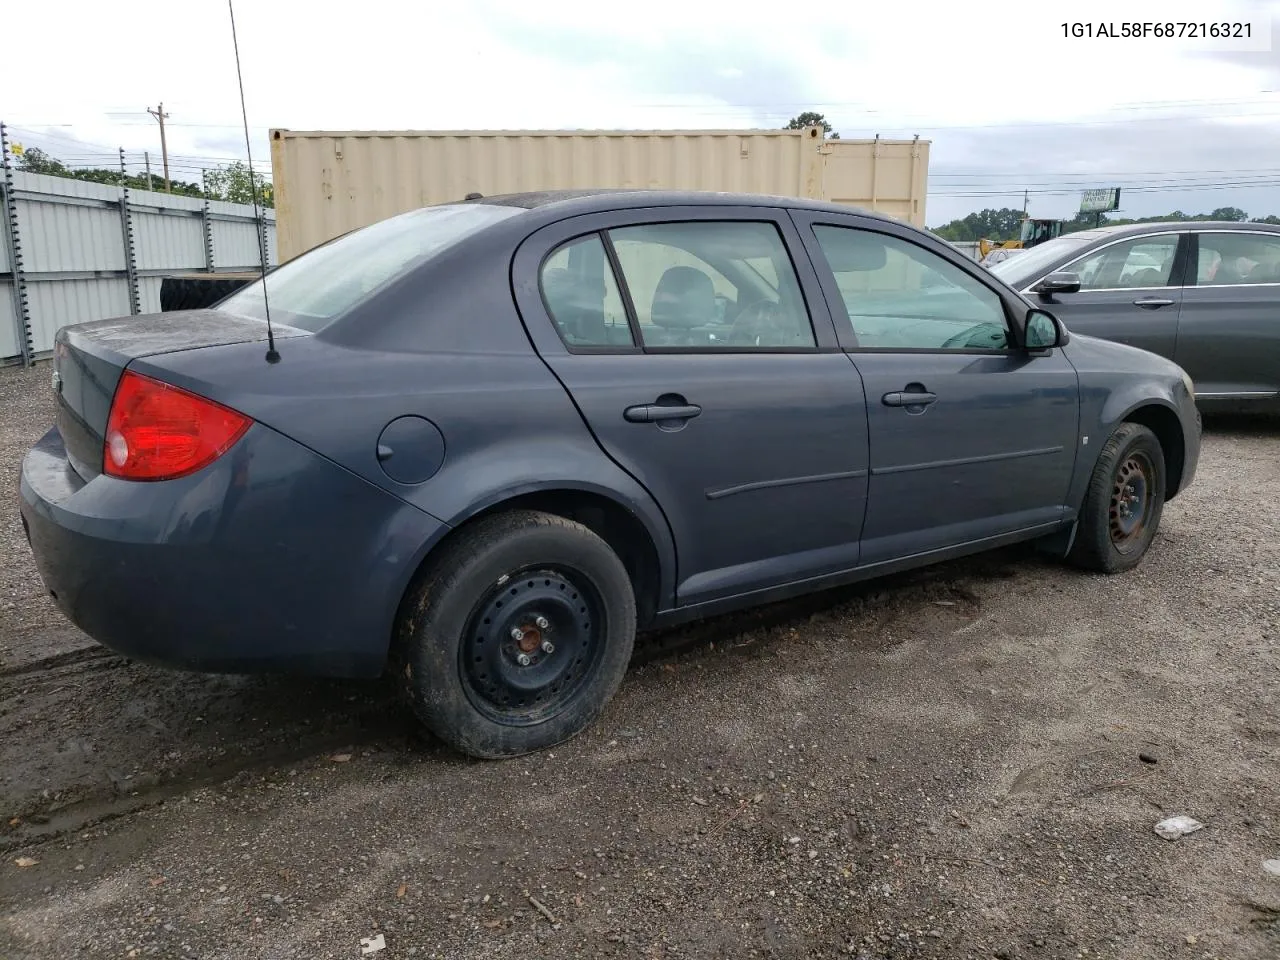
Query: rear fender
x=483, y=478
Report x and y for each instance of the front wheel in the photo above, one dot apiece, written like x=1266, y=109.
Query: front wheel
x=520, y=633
x=1124, y=502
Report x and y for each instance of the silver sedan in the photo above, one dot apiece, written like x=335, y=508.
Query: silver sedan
x=1203, y=294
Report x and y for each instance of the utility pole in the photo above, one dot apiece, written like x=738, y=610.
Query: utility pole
x=147, y=156
x=160, y=115
x=1025, y=195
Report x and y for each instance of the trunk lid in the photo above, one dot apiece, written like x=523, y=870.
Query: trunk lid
x=89, y=358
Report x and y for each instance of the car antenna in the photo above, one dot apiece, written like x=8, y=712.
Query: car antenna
x=273, y=356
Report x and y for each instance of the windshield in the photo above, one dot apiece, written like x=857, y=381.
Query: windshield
x=312, y=290
x=1027, y=266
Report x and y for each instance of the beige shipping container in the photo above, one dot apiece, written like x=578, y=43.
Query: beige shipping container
x=327, y=182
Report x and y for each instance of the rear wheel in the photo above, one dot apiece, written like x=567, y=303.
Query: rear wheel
x=1124, y=502
x=519, y=635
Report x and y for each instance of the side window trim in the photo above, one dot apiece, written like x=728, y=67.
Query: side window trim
x=767, y=217
x=530, y=252
x=809, y=221
x=624, y=290
x=1180, y=259
x=1192, y=275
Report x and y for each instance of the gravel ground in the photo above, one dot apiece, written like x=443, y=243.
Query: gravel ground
x=967, y=761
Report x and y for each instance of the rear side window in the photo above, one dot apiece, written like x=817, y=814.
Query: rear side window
x=312, y=290
x=726, y=284
x=582, y=296
x=1237, y=258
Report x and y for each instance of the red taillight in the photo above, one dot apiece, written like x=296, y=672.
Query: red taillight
x=156, y=431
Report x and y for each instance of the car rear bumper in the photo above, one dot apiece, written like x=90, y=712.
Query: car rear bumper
x=271, y=559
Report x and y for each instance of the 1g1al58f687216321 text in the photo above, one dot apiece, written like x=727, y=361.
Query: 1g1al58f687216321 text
x=1160, y=29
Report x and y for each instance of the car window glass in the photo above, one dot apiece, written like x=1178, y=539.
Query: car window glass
x=724, y=284
x=1140, y=262
x=1237, y=258
x=315, y=288
x=582, y=296
x=901, y=296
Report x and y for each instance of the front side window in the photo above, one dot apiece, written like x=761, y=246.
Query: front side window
x=312, y=290
x=703, y=284
x=1140, y=262
x=1237, y=258
x=902, y=297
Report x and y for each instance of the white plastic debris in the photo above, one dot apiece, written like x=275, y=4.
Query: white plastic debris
x=372, y=944
x=1272, y=867
x=1176, y=827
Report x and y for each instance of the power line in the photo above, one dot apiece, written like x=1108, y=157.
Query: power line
x=779, y=107
x=1067, y=191
x=1156, y=182
x=1102, y=174
x=785, y=109
x=108, y=153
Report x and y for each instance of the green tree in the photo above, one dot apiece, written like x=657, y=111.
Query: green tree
x=989, y=224
x=1005, y=224
x=232, y=183
x=811, y=119
x=35, y=160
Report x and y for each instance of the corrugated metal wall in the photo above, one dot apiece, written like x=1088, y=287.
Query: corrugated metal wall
x=327, y=183
x=74, y=258
x=8, y=324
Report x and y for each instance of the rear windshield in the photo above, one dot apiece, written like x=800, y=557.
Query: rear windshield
x=315, y=288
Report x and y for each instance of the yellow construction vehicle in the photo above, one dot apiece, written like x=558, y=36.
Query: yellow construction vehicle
x=1032, y=233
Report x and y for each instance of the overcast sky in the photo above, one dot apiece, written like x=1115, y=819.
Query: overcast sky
x=1007, y=102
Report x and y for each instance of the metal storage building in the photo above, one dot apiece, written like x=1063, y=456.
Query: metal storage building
x=329, y=182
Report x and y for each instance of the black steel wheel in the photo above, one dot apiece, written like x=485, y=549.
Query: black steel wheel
x=516, y=635
x=1123, y=504
x=535, y=640
x=1131, y=505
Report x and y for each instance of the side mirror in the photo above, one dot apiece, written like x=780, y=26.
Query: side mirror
x=1058, y=283
x=1043, y=330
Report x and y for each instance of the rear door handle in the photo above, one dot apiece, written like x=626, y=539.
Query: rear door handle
x=900, y=399
x=1152, y=302
x=656, y=412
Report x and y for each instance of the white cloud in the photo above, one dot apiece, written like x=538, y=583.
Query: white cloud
x=960, y=74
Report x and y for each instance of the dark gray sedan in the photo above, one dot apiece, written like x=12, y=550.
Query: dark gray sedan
x=1205, y=295
x=492, y=439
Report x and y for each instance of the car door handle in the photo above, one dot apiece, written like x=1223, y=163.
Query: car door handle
x=656, y=412
x=1152, y=303
x=901, y=399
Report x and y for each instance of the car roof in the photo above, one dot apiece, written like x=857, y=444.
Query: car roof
x=598, y=200
x=1163, y=226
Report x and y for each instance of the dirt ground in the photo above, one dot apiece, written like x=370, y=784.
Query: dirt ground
x=967, y=761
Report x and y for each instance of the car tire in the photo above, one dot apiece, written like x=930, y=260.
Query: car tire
x=517, y=634
x=1123, y=504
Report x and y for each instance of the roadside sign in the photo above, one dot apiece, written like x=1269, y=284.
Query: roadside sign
x=1100, y=201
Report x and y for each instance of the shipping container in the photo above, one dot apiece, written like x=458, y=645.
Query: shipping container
x=327, y=183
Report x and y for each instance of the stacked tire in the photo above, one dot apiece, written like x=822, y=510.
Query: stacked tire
x=196, y=292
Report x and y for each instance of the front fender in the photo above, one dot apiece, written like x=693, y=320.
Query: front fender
x=1102, y=413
